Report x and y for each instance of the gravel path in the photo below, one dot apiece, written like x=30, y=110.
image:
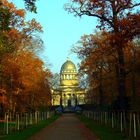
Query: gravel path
x=67, y=127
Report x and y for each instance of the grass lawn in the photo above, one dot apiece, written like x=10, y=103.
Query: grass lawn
x=101, y=131
x=26, y=133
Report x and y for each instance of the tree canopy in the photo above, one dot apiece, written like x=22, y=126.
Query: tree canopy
x=24, y=82
x=119, y=20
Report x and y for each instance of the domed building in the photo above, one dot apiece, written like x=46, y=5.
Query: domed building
x=68, y=74
x=69, y=93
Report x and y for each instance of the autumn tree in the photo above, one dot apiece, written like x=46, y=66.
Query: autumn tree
x=120, y=19
x=14, y=30
x=133, y=77
x=22, y=75
x=100, y=62
x=97, y=61
x=26, y=82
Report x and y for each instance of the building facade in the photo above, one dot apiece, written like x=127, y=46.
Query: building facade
x=69, y=93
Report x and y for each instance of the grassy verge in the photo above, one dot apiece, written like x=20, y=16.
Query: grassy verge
x=101, y=131
x=26, y=133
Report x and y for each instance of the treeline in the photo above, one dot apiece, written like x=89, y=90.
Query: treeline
x=23, y=77
x=110, y=57
x=100, y=63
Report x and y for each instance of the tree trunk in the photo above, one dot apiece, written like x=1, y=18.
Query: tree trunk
x=133, y=83
x=101, y=92
x=121, y=80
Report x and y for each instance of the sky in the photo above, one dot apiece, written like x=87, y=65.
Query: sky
x=61, y=31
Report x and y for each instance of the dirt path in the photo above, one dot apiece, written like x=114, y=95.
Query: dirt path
x=67, y=127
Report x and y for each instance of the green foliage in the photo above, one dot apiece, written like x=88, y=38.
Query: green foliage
x=30, y=5
x=5, y=46
x=4, y=18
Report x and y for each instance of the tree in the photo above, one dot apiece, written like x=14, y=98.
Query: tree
x=55, y=81
x=31, y=5
x=14, y=30
x=97, y=61
x=22, y=75
x=25, y=82
x=119, y=19
x=83, y=81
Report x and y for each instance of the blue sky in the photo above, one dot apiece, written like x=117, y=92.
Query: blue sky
x=61, y=31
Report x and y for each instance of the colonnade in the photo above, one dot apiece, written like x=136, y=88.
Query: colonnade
x=69, y=76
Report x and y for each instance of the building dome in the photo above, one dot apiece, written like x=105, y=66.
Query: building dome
x=68, y=66
x=68, y=74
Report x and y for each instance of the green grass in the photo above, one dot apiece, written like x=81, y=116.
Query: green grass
x=1, y=124
x=101, y=131
x=26, y=133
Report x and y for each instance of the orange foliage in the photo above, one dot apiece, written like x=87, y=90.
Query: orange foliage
x=22, y=75
x=19, y=31
x=26, y=78
x=99, y=60
x=12, y=9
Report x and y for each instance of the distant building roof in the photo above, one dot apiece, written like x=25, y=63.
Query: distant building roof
x=68, y=65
